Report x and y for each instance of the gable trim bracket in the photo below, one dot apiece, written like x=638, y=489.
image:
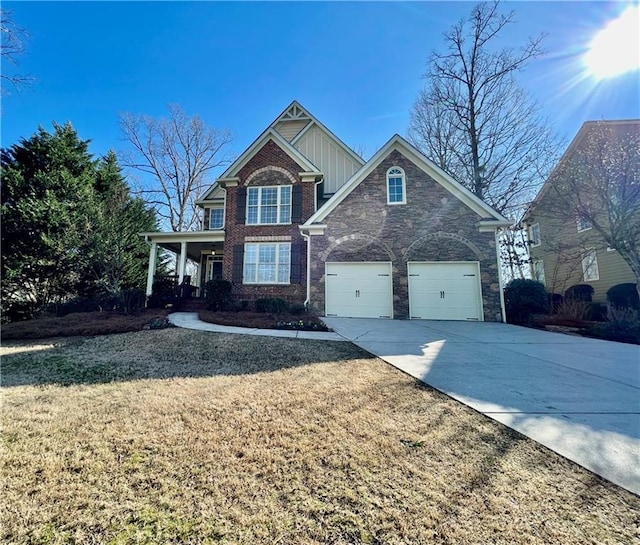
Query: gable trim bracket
x=314, y=229
x=311, y=176
x=490, y=225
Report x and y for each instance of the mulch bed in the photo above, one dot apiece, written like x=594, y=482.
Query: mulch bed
x=82, y=324
x=263, y=320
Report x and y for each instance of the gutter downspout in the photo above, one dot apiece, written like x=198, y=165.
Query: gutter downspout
x=307, y=237
x=499, y=261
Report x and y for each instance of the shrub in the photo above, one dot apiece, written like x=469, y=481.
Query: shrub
x=597, y=312
x=572, y=309
x=273, y=305
x=132, y=300
x=218, y=294
x=580, y=292
x=624, y=296
x=297, y=309
x=555, y=300
x=620, y=331
x=523, y=298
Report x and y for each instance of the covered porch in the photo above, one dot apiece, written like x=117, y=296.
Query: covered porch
x=205, y=250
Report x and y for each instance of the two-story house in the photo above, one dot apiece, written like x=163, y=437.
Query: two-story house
x=302, y=217
x=565, y=247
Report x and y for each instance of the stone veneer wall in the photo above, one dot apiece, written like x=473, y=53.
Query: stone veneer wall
x=269, y=166
x=433, y=226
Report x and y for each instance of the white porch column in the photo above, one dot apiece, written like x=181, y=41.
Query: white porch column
x=182, y=261
x=153, y=252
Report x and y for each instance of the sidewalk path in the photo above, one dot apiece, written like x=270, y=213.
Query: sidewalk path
x=190, y=320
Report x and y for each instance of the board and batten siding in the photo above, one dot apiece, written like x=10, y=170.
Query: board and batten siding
x=322, y=151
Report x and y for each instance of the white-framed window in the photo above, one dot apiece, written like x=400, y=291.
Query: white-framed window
x=396, y=186
x=267, y=263
x=534, y=234
x=590, y=266
x=271, y=204
x=216, y=218
x=582, y=222
x=538, y=270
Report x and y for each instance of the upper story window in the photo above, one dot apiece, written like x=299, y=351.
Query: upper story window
x=534, y=234
x=216, y=218
x=538, y=270
x=590, y=266
x=396, y=186
x=583, y=222
x=270, y=204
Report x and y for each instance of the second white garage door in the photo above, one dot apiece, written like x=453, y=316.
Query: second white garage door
x=445, y=291
x=359, y=290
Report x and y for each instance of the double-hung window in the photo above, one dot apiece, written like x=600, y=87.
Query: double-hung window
x=396, y=186
x=267, y=263
x=590, y=266
x=583, y=222
x=216, y=218
x=268, y=205
x=534, y=234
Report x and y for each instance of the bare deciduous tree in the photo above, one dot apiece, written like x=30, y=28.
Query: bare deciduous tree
x=12, y=39
x=473, y=119
x=599, y=185
x=178, y=152
x=475, y=122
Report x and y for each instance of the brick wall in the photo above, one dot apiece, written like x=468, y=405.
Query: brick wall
x=433, y=226
x=269, y=166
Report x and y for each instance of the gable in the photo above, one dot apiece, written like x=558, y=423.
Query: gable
x=487, y=216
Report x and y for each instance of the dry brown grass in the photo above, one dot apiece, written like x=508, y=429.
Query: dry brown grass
x=79, y=324
x=179, y=436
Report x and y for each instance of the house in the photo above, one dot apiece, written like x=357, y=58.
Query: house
x=566, y=248
x=302, y=217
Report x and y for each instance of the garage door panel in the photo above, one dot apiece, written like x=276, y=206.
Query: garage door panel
x=445, y=291
x=359, y=290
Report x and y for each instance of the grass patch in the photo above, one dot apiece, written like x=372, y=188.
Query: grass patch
x=80, y=324
x=204, y=438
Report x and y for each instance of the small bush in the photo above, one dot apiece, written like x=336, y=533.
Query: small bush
x=297, y=309
x=555, y=300
x=572, y=309
x=624, y=296
x=524, y=298
x=580, y=292
x=218, y=294
x=597, y=312
x=273, y=305
x=619, y=331
x=132, y=300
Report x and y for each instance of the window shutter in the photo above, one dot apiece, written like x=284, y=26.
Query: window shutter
x=296, y=204
x=238, y=262
x=241, y=210
x=296, y=263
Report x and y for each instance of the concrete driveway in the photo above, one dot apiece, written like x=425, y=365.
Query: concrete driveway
x=579, y=397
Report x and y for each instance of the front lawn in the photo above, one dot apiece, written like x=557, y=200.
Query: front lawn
x=178, y=436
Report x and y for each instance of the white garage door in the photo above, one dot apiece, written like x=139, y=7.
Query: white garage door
x=445, y=291
x=359, y=290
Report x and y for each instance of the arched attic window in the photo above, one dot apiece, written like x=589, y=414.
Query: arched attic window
x=396, y=186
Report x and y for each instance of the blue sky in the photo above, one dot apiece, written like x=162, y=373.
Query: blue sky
x=356, y=66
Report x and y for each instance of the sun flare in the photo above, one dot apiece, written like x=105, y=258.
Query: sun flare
x=615, y=49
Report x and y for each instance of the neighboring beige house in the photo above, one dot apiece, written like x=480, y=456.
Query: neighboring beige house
x=301, y=217
x=565, y=249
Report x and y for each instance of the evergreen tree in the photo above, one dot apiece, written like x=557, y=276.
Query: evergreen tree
x=70, y=226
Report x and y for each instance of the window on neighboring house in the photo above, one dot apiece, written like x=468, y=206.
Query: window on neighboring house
x=583, y=222
x=396, y=186
x=590, y=266
x=538, y=270
x=216, y=218
x=269, y=205
x=534, y=234
x=267, y=263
